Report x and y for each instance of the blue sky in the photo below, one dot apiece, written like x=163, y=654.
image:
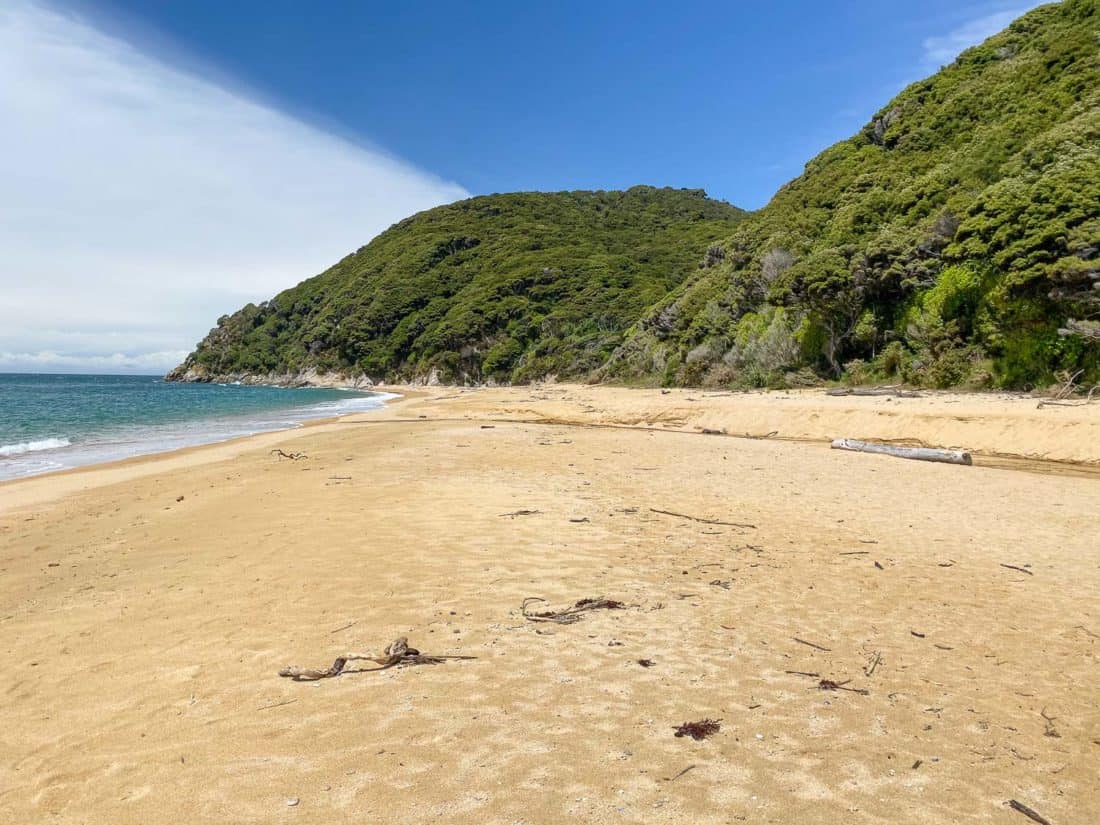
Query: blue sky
x=165, y=161
x=501, y=96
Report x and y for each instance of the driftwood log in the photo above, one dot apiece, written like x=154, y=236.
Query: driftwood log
x=917, y=453
x=873, y=392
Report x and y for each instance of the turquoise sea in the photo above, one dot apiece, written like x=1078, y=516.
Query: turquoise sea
x=52, y=422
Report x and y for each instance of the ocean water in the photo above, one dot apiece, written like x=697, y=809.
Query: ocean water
x=52, y=422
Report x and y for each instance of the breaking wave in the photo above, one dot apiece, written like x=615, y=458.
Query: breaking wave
x=8, y=450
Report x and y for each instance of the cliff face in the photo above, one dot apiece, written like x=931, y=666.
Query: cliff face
x=954, y=241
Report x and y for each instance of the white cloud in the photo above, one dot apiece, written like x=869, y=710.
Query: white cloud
x=139, y=202
x=117, y=362
x=943, y=49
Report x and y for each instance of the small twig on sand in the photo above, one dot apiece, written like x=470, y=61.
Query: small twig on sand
x=681, y=773
x=1050, y=731
x=345, y=627
x=702, y=520
x=1028, y=812
x=803, y=673
x=1020, y=569
x=829, y=684
x=570, y=614
x=871, y=669
x=291, y=456
x=277, y=704
x=520, y=513
x=810, y=644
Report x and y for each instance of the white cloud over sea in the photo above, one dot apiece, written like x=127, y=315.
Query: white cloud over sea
x=941, y=50
x=138, y=202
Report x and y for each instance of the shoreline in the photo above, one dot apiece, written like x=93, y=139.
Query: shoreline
x=1085, y=462
x=26, y=491
x=220, y=429
x=857, y=412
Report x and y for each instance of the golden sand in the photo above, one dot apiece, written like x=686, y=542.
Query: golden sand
x=146, y=608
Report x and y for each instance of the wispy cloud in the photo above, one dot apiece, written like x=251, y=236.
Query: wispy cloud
x=139, y=202
x=943, y=49
x=116, y=363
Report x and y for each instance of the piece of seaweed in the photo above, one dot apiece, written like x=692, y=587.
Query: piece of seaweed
x=699, y=730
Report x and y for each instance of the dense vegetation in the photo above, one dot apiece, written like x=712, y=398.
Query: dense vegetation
x=947, y=243
x=502, y=287
x=954, y=241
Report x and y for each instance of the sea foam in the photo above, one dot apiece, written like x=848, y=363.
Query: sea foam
x=8, y=450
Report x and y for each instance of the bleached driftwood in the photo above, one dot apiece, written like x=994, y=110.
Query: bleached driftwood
x=917, y=453
x=893, y=392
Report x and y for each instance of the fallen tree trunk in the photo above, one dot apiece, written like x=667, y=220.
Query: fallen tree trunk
x=873, y=391
x=917, y=453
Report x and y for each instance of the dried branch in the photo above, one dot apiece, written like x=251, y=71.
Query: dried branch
x=702, y=520
x=681, y=773
x=570, y=614
x=277, y=705
x=871, y=669
x=291, y=456
x=396, y=653
x=1034, y=816
x=829, y=684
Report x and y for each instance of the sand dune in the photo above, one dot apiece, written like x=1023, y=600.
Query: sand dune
x=146, y=608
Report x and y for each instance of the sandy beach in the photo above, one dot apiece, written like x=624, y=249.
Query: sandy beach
x=146, y=608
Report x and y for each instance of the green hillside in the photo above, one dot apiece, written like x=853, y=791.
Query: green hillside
x=504, y=287
x=954, y=241
x=945, y=244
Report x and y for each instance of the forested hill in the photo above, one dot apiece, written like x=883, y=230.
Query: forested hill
x=954, y=241
x=506, y=287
